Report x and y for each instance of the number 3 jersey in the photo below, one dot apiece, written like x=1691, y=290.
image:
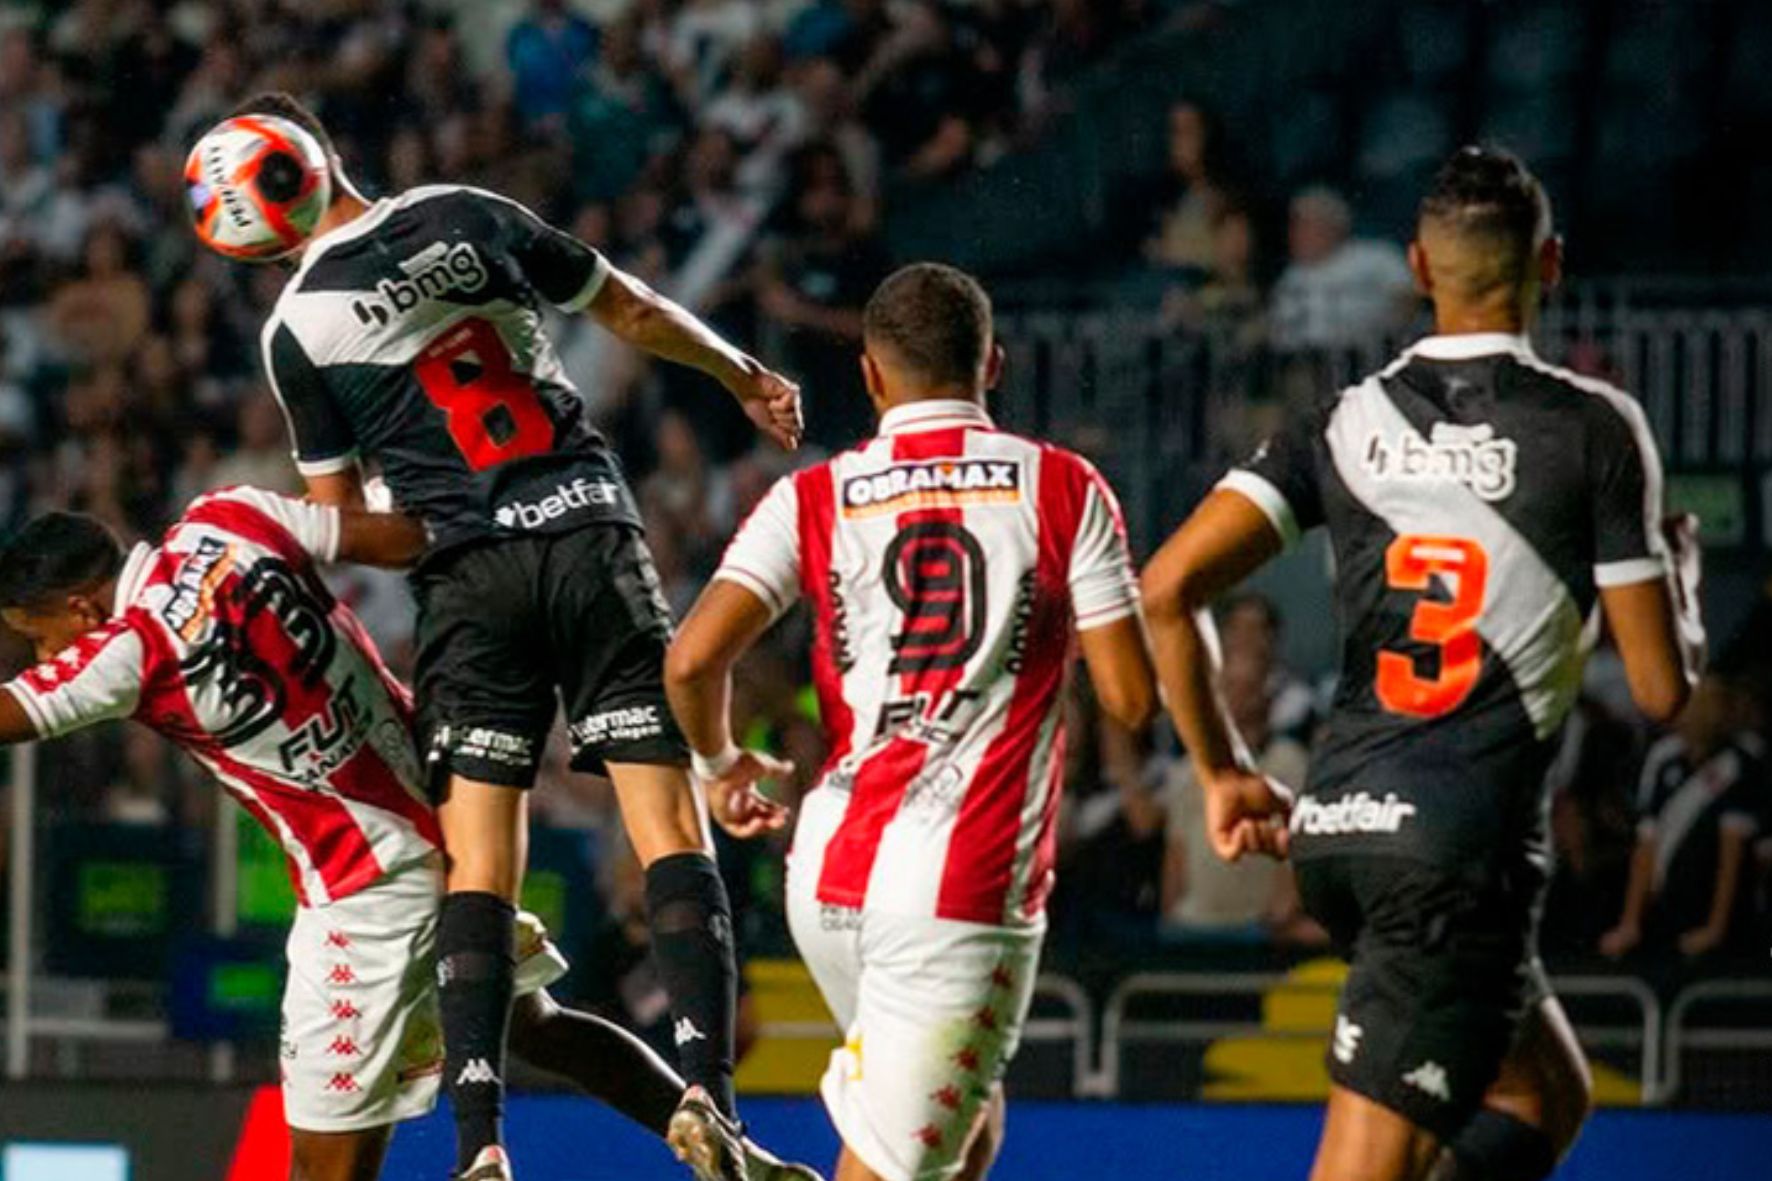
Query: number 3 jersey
x=413, y=336
x=1476, y=500
x=226, y=642
x=947, y=566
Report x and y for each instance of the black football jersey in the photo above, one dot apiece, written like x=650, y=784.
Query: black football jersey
x=412, y=336
x=1476, y=498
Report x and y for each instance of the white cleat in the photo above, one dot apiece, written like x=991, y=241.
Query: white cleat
x=705, y=1140
x=491, y=1165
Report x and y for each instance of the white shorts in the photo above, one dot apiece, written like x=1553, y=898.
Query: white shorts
x=362, y=1042
x=931, y=1010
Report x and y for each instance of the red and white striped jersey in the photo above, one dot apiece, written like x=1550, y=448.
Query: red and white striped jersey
x=225, y=640
x=947, y=565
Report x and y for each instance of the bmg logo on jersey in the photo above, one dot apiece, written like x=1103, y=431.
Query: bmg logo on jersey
x=432, y=273
x=940, y=483
x=1468, y=455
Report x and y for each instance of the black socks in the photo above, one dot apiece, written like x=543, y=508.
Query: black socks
x=1496, y=1147
x=692, y=946
x=474, y=968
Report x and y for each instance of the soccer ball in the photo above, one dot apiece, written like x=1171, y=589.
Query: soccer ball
x=258, y=186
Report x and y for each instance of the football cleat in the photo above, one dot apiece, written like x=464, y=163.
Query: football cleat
x=705, y=1140
x=491, y=1165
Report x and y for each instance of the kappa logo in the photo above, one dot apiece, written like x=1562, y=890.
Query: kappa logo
x=938, y=483
x=1430, y=1079
x=685, y=1032
x=1346, y=1042
x=434, y=272
x=477, y=1072
x=1358, y=813
x=1468, y=455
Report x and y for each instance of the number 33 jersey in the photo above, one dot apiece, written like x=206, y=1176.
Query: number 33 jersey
x=1476, y=501
x=947, y=566
x=413, y=336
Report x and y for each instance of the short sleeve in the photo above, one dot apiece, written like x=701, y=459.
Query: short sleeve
x=1626, y=496
x=318, y=431
x=564, y=271
x=316, y=528
x=98, y=679
x=764, y=556
x=1281, y=478
x=1103, y=589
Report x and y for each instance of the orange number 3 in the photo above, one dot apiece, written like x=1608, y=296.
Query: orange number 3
x=1410, y=564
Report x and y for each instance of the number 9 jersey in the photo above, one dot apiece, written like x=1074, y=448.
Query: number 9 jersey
x=1476, y=501
x=947, y=566
x=413, y=335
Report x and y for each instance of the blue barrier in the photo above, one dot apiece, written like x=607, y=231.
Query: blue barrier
x=558, y=1138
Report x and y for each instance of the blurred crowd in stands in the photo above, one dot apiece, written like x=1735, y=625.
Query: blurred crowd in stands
x=740, y=156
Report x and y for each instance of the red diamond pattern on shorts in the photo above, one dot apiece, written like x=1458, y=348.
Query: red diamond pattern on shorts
x=986, y=1018
x=1002, y=977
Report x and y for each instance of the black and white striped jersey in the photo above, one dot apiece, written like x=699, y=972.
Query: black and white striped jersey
x=412, y=336
x=1476, y=498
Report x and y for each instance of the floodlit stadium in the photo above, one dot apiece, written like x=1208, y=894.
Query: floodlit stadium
x=905, y=589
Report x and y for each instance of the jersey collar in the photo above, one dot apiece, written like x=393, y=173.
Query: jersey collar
x=361, y=224
x=939, y=414
x=135, y=573
x=1465, y=346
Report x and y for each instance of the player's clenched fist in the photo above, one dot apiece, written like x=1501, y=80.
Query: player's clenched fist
x=772, y=402
x=1246, y=813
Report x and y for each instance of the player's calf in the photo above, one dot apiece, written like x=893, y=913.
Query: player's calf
x=337, y=1156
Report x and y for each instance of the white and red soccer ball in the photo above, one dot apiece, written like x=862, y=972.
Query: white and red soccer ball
x=258, y=185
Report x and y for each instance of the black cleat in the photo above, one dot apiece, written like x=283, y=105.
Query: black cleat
x=705, y=1140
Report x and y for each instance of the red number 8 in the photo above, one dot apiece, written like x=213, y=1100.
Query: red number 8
x=493, y=412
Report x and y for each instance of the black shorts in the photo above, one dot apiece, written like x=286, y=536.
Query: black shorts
x=1442, y=967
x=510, y=628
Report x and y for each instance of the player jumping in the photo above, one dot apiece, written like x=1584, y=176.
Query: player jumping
x=224, y=640
x=410, y=335
x=948, y=566
x=1479, y=503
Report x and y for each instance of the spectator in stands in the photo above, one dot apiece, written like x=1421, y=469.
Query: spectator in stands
x=624, y=115
x=685, y=495
x=1700, y=803
x=1250, y=625
x=1203, y=895
x=920, y=95
x=765, y=118
x=18, y=432
x=831, y=119
x=102, y=315
x=705, y=38
x=1337, y=291
x=812, y=283
x=1187, y=232
x=260, y=457
x=547, y=51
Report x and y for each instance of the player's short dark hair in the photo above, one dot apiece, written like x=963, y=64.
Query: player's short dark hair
x=1488, y=193
x=936, y=319
x=281, y=104
x=57, y=554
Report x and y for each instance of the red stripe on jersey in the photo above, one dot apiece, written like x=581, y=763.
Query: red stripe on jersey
x=980, y=868
x=244, y=521
x=882, y=781
x=336, y=846
x=65, y=666
x=815, y=490
x=366, y=778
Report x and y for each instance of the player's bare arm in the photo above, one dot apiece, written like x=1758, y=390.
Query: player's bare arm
x=1227, y=539
x=15, y=725
x=723, y=625
x=391, y=540
x=1658, y=629
x=647, y=320
x=338, y=489
x=1119, y=666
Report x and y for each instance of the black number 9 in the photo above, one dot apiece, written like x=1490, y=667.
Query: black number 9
x=934, y=571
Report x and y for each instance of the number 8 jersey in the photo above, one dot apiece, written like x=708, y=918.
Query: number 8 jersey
x=413, y=335
x=947, y=566
x=1476, y=500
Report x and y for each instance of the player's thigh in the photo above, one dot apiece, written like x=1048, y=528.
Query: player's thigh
x=484, y=685
x=1366, y=1141
x=486, y=835
x=1545, y=1081
x=661, y=809
x=337, y=1156
x=1437, y=983
x=362, y=1044
x=608, y=627
x=827, y=936
x=939, y=1016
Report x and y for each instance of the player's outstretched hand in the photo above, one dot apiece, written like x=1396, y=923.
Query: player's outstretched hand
x=737, y=805
x=1246, y=812
x=772, y=403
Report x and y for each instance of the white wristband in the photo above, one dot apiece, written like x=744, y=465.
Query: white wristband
x=714, y=766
